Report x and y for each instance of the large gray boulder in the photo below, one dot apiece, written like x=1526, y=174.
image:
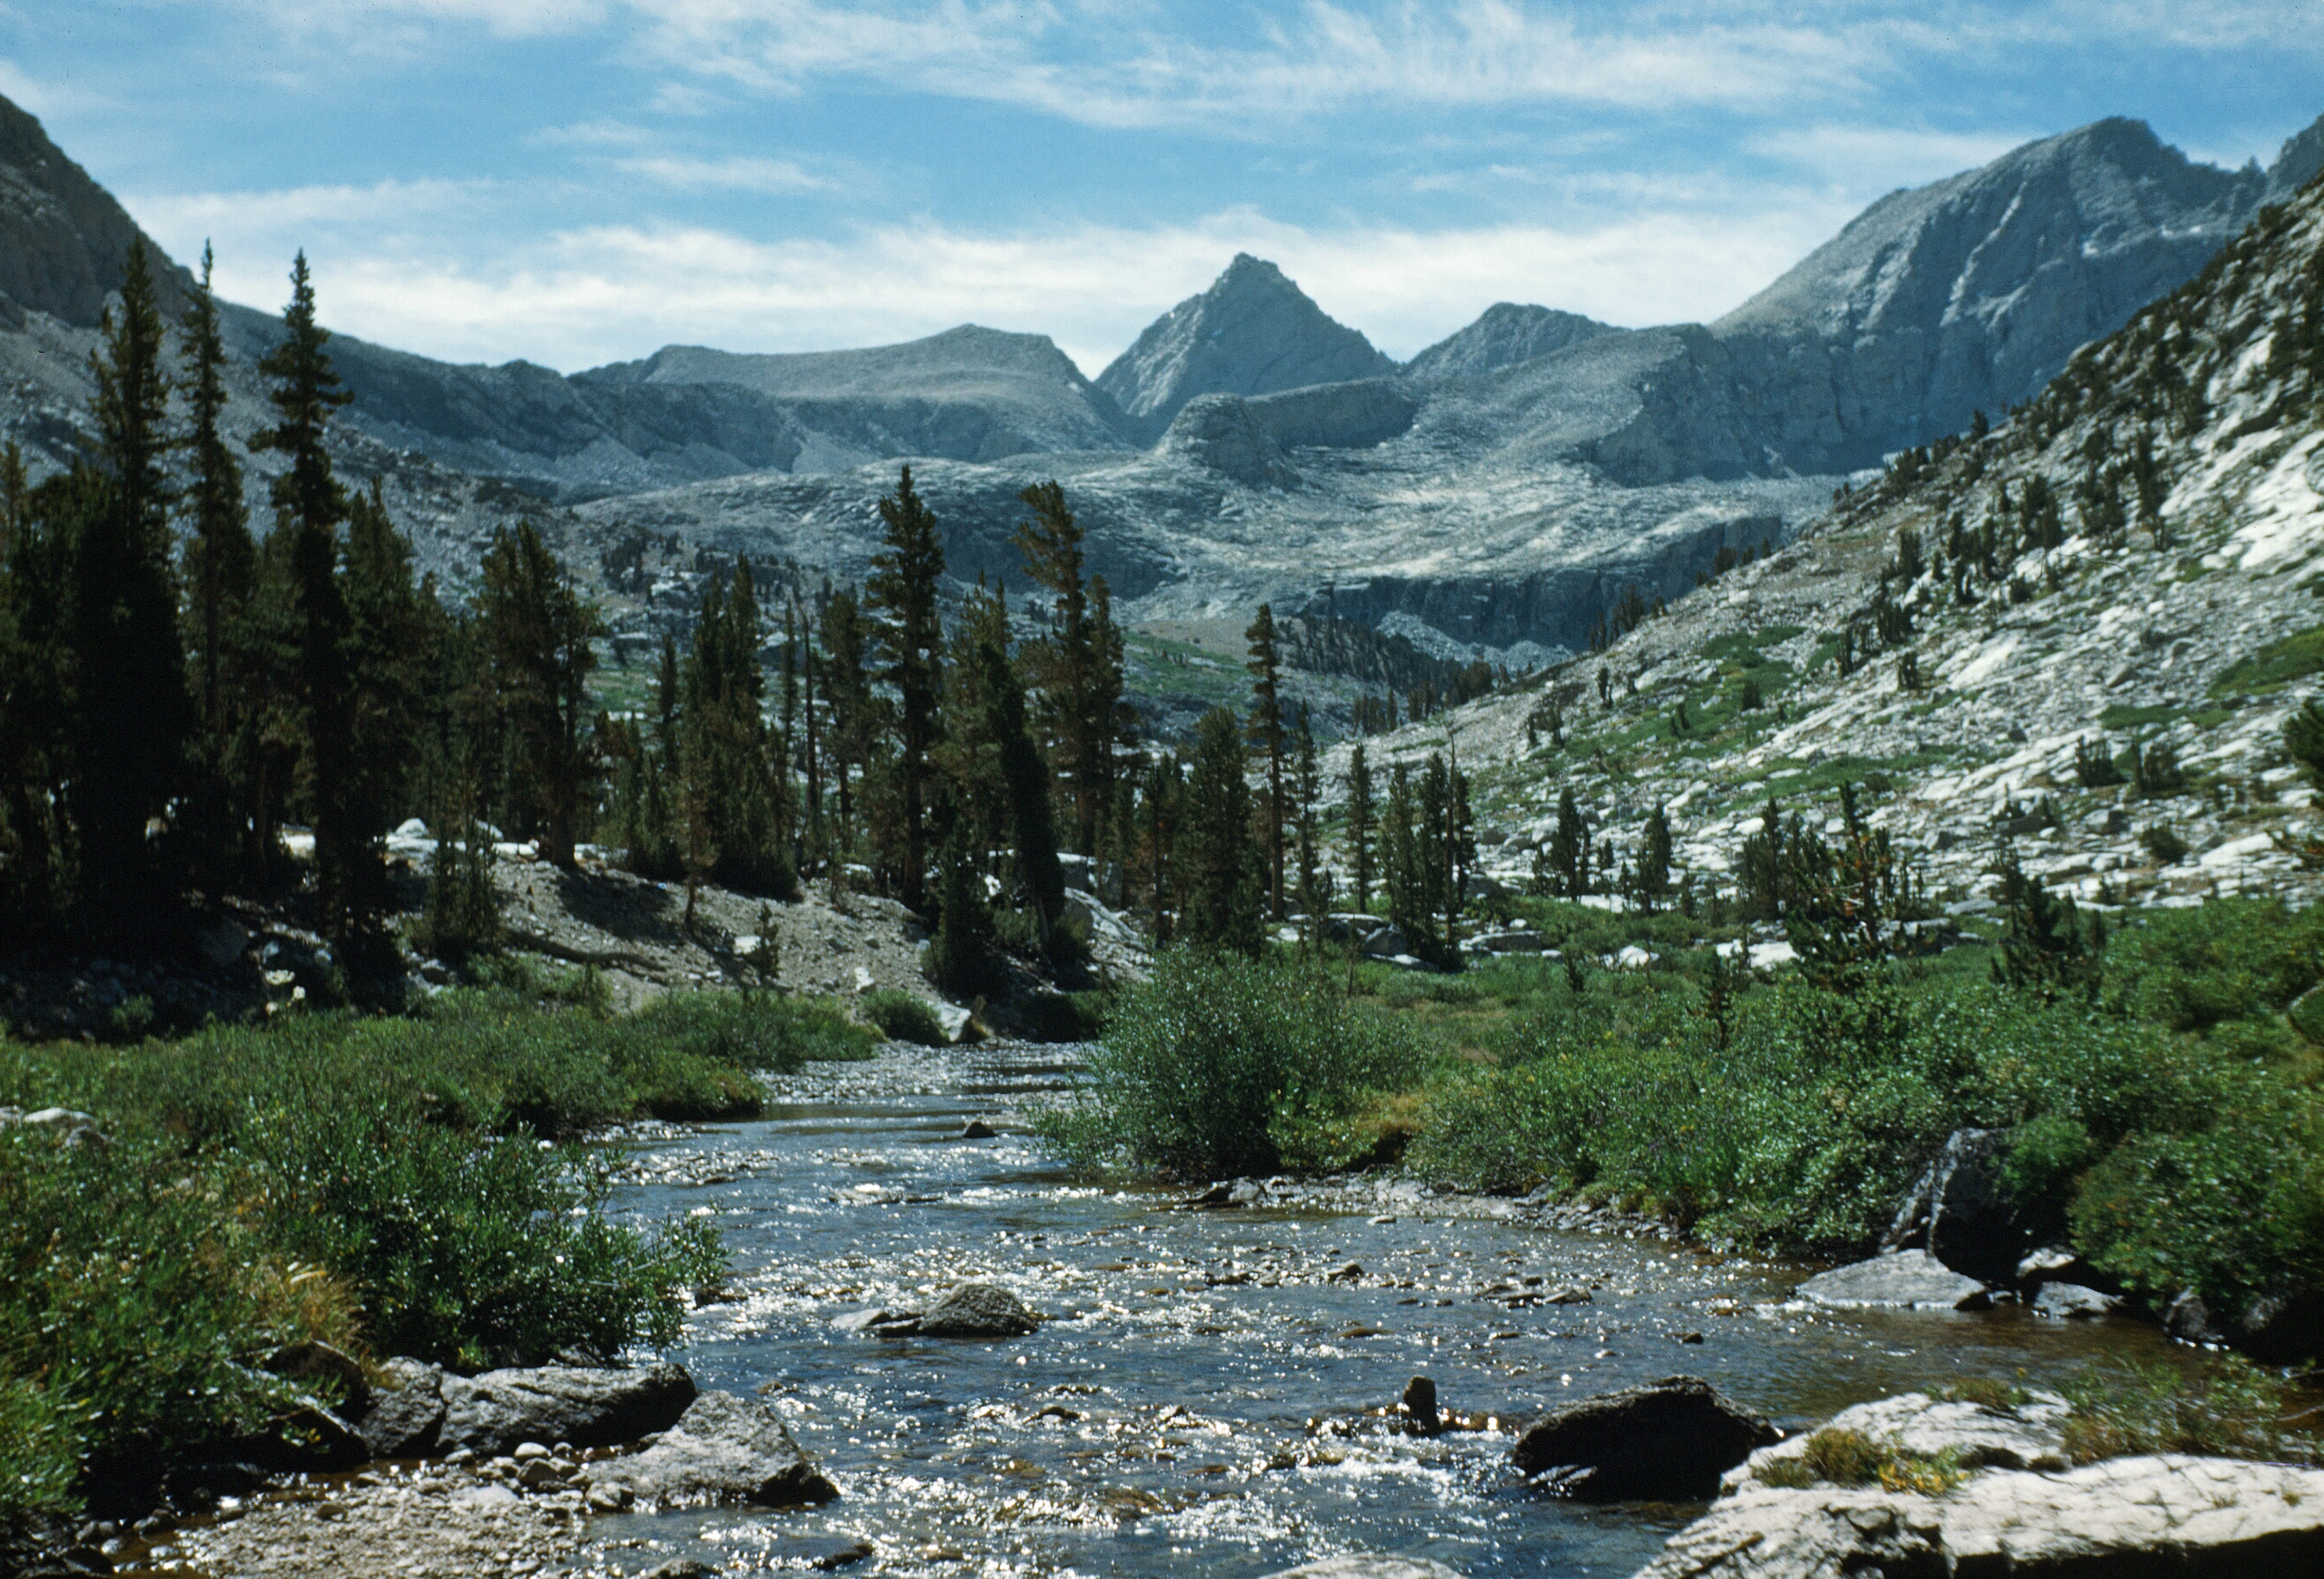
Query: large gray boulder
x=1367, y=1566
x=1908, y=1280
x=1668, y=1441
x=1962, y=1212
x=978, y=1310
x=2125, y=1518
x=2028, y=1435
x=722, y=1449
x=586, y=1406
x=406, y=1411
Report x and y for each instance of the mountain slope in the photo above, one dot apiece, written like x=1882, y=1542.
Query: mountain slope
x=2133, y=560
x=1252, y=333
x=1503, y=336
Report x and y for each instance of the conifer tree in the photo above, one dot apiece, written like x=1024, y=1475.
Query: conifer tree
x=1569, y=847
x=36, y=868
x=1158, y=835
x=1361, y=817
x=903, y=591
x=847, y=692
x=1077, y=667
x=1654, y=861
x=130, y=714
x=1400, y=854
x=1268, y=738
x=961, y=959
x=1217, y=864
x=308, y=507
x=387, y=664
x=221, y=557
x=537, y=636
x=733, y=799
x=1307, y=786
x=1027, y=779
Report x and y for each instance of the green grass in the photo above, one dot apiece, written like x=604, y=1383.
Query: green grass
x=2227, y=1409
x=391, y=1186
x=1791, y=780
x=2294, y=657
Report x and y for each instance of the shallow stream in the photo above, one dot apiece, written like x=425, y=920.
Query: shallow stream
x=1160, y=1424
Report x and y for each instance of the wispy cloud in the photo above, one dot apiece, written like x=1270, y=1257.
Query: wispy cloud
x=586, y=296
x=734, y=174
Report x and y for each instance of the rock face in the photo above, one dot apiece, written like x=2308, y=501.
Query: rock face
x=1908, y=1280
x=493, y=1412
x=722, y=1449
x=1670, y=1440
x=62, y=236
x=1962, y=1213
x=978, y=1310
x=1503, y=336
x=2126, y=1519
x=1253, y=332
x=406, y=1413
x=2030, y=1436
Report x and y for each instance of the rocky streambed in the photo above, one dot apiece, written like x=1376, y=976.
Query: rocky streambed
x=1209, y=1388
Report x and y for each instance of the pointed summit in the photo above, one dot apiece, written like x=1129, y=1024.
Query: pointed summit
x=1253, y=332
x=1503, y=336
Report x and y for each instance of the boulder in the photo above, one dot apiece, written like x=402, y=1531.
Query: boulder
x=2029, y=1435
x=1962, y=1213
x=2065, y=1301
x=589, y=1408
x=1909, y=1279
x=886, y=1323
x=316, y=1361
x=2125, y=1518
x=978, y=1310
x=406, y=1411
x=722, y=1449
x=1668, y=1441
x=2281, y=1329
x=2187, y=1319
x=1367, y=1566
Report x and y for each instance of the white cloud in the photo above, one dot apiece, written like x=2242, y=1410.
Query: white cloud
x=581, y=297
x=734, y=174
x=1871, y=156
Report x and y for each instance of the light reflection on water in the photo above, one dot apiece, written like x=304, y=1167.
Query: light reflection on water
x=1160, y=1423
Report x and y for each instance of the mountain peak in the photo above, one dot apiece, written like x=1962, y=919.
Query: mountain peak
x=1504, y=335
x=63, y=239
x=1252, y=332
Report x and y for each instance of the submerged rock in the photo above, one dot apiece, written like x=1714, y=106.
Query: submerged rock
x=1910, y=1280
x=589, y=1408
x=722, y=1449
x=2126, y=1519
x=1670, y=1440
x=2066, y=1300
x=978, y=1310
x=1367, y=1566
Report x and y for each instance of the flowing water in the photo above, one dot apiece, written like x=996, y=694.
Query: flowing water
x=1197, y=1404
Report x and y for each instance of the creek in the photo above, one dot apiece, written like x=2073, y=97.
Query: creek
x=1159, y=1424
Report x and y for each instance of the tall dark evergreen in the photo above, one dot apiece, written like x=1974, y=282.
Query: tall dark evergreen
x=732, y=798
x=310, y=507
x=537, y=636
x=1569, y=848
x=36, y=858
x=1270, y=740
x=902, y=593
x=221, y=557
x=1219, y=868
x=130, y=714
x=1078, y=666
x=1361, y=818
x=1026, y=779
x=854, y=716
x=1655, y=861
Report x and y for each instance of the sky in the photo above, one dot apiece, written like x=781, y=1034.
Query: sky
x=581, y=181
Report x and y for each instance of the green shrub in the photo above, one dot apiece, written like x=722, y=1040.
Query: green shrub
x=1066, y=1017
x=2230, y=1409
x=1219, y=1066
x=1848, y=1457
x=2229, y=959
x=902, y=1018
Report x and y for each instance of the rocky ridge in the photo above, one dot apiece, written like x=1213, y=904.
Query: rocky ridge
x=2181, y=623
x=1506, y=487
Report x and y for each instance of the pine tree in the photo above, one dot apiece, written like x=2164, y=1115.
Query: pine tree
x=1400, y=854
x=733, y=800
x=1308, y=787
x=308, y=507
x=847, y=692
x=1654, y=861
x=1026, y=779
x=961, y=959
x=1569, y=848
x=903, y=591
x=1217, y=863
x=131, y=713
x=1361, y=817
x=386, y=662
x=221, y=557
x=1268, y=738
x=1158, y=836
x=1078, y=666
x=39, y=872
x=537, y=636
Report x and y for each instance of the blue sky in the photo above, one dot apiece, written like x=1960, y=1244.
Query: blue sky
x=577, y=181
